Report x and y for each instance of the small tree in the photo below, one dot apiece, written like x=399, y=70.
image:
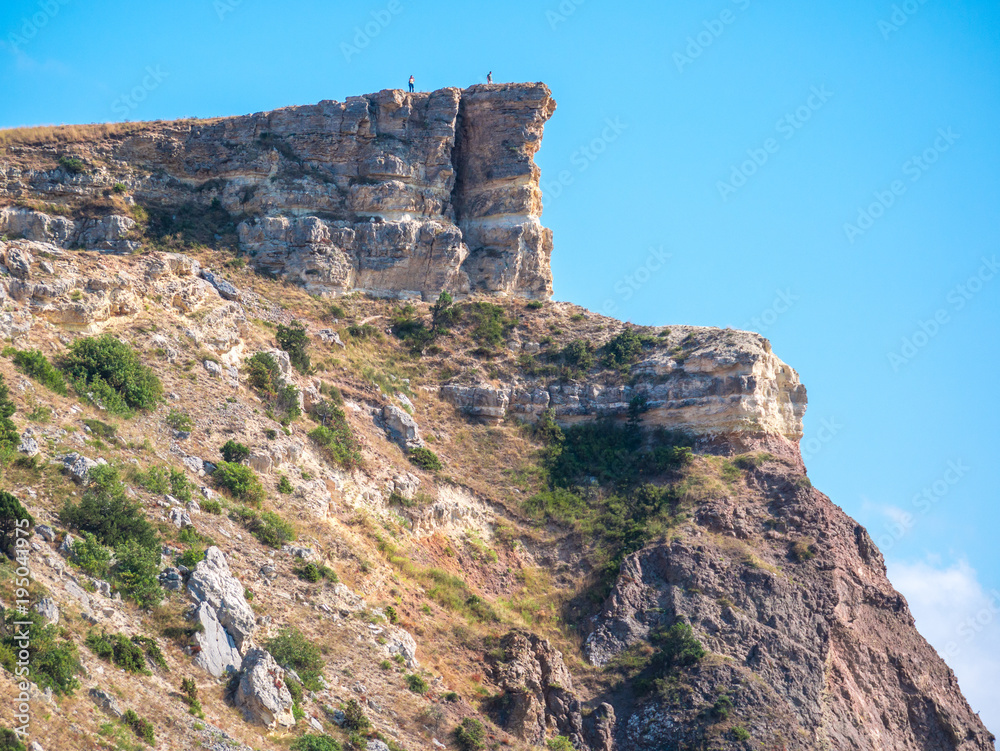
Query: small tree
x=9, y=437
x=294, y=340
x=107, y=513
x=234, y=452
x=12, y=517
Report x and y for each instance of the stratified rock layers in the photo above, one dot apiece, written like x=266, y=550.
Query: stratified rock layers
x=394, y=194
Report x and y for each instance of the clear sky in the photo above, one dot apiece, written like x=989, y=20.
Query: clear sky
x=737, y=136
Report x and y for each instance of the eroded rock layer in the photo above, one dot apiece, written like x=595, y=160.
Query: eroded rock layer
x=395, y=194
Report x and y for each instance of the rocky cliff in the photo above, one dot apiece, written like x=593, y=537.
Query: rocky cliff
x=591, y=534
x=394, y=194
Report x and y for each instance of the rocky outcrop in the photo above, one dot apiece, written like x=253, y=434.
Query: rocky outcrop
x=818, y=641
x=392, y=193
x=401, y=427
x=262, y=693
x=705, y=382
x=537, y=690
x=222, y=610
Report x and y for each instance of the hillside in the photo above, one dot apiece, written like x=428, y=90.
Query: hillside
x=286, y=494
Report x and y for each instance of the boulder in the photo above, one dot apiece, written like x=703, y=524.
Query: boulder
x=180, y=518
x=399, y=641
x=107, y=702
x=28, y=446
x=212, y=583
x=224, y=288
x=78, y=467
x=262, y=693
x=402, y=428
x=215, y=649
x=170, y=578
x=45, y=532
x=48, y=609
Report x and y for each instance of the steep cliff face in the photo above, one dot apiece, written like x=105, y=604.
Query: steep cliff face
x=394, y=194
x=564, y=567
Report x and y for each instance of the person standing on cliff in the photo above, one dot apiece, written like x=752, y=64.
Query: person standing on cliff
x=411, y=84
x=489, y=77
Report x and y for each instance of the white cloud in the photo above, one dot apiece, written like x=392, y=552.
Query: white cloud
x=961, y=621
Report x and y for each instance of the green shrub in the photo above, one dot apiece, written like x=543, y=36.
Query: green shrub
x=234, y=452
x=9, y=435
x=191, y=557
x=290, y=648
x=36, y=365
x=211, y=507
x=313, y=572
x=579, y=355
x=336, y=438
x=425, y=459
x=752, y=461
x=451, y=696
x=120, y=650
x=154, y=479
x=11, y=741
x=416, y=684
x=107, y=513
x=92, y=557
x=241, y=481
x=293, y=340
x=268, y=527
x=12, y=518
x=73, y=165
x=284, y=486
x=315, y=742
x=113, y=373
x=559, y=743
x=180, y=486
x=140, y=726
x=54, y=663
x=625, y=349
x=263, y=373
x=470, y=735
x=535, y=305
x=179, y=421
x=136, y=570
x=364, y=331
x=189, y=690
x=679, y=648
x=722, y=707
x=740, y=733
x=802, y=551
x=354, y=718
x=490, y=324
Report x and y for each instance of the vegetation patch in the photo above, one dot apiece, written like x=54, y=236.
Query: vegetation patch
x=290, y=648
x=111, y=374
x=267, y=527
x=34, y=364
x=241, y=481
x=54, y=661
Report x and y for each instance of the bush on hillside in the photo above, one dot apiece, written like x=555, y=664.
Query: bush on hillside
x=294, y=340
x=290, y=648
x=106, y=512
x=36, y=365
x=12, y=518
x=335, y=436
x=54, y=662
x=234, y=452
x=113, y=373
x=9, y=436
x=241, y=481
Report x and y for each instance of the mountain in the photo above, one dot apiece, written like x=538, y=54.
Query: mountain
x=307, y=458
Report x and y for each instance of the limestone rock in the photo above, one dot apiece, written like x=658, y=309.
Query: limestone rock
x=215, y=649
x=170, y=578
x=212, y=583
x=402, y=428
x=180, y=518
x=28, y=446
x=538, y=690
x=106, y=702
x=45, y=532
x=262, y=693
x=48, y=609
x=78, y=467
x=224, y=288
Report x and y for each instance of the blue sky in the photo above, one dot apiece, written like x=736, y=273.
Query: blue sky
x=737, y=136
